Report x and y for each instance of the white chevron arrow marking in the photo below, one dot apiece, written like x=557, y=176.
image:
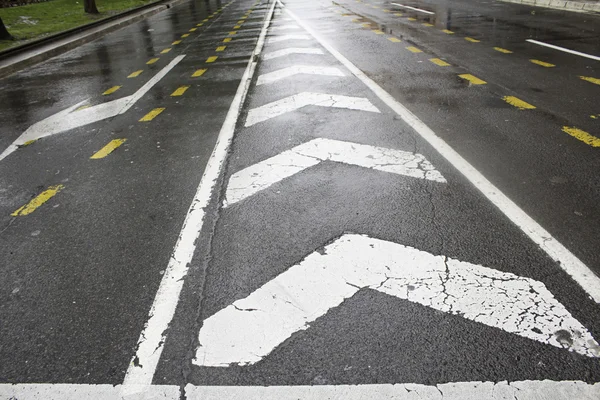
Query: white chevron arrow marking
x=292, y=50
x=260, y=176
x=283, y=38
x=249, y=329
x=283, y=73
x=71, y=118
x=291, y=103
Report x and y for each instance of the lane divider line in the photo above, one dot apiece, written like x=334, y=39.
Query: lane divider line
x=564, y=49
x=176, y=42
x=111, y=90
x=211, y=59
x=135, y=74
x=37, y=201
x=394, y=40
x=109, y=148
x=165, y=51
x=582, y=135
x=227, y=40
x=152, y=61
x=470, y=39
x=473, y=79
x=185, y=35
x=516, y=102
x=448, y=31
x=542, y=63
x=590, y=79
x=221, y=48
x=413, y=49
x=152, y=114
x=502, y=50
x=199, y=72
x=439, y=62
x=180, y=91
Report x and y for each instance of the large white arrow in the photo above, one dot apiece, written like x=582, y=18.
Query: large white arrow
x=291, y=103
x=71, y=118
x=274, y=76
x=260, y=176
x=249, y=329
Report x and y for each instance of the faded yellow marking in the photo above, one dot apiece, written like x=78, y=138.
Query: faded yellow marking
x=77, y=109
x=473, y=79
x=221, y=48
x=366, y=25
x=109, y=148
x=427, y=24
x=470, y=39
x=227, y=40
x=232, y=33
x=205, y=20
x=386, y=11
x=211, y=59
x=165, y=51
x=395, y=40
x=111, y=90
x=412, y=19
x=200, y=24
x=180, y=91
x=193, y=30
x=356, y=20
x=398, y=14
x=542, y=63
x=520, y=104
x=152, y=61
x=378, y=32
x=198, y=73
x=185, y=35
x=594, y=116
x=439, y=62
x=240, y=22
x=152, y=114
x=244, y=17
x=135, y=74
x=590, y=79
x=501, y=50
x=237, y=27
x=582, y=135
x=32, y=141
x=448, y=31
x=413, y=49
x=37, y=201
x=175, y=43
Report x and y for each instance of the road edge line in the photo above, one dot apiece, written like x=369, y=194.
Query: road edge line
x=567, y=261
x=152, y=338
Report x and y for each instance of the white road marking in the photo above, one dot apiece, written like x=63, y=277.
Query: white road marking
x=251, y=328
x=283, y=73
x=71, y=118
x=286, y=26
x=414, y=8
x=283, y=38
x=151, y=341
x=291, y=103
x=564, y=49
x=292, y=50
x=260, y=176
x=516, y=390
x=566, y=260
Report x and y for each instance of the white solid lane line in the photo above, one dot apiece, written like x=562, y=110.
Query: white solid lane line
x=283, y=73
x=151, y=341
x=414, y=8
x=288, y=37
x=566, y=260
x=291, y=50
x=564, y=49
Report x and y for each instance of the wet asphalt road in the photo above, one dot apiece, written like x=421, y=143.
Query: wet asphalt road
x=80, y=272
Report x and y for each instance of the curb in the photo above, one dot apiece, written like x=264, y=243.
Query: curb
x=576, y=6
x=18, y=58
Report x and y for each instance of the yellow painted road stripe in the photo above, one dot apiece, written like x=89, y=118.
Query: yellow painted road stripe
x=211, y=59
x=501, y=50
x=366, y=25
x=384, y=11
x=221, y=48
x=27, y=143
x=180, y=90
x=135, y=74
x=244, y=17
x=109, y=148
x=176, y=42
x=227, y=40
x=542, y=63
x=590, y=79
x=426, y=24
x=413, y=49
x=237, y=27
x=473, y=79
x=205, y=20
x=520, y=104
x=439, y=62
x=470, y=39
x=378, y=32
x=193, y=30
x=232, y=33
x=448, y=31
x=398, y=14
x=240, y=22
x=200, y=24
x=152, y=114
x=582, y=135
x=165, y=51
x=412, y=19
x=152, y=61
x=185, y=35
x=111, y=90
x=38, y=201
x=198, y=73
x=395, y=40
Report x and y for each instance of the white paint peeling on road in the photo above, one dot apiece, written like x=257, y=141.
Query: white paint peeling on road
x=260, y=176
x=291, y=103
x=283, y=73
x=249, y=329
x=284, y=38
x=291, y=50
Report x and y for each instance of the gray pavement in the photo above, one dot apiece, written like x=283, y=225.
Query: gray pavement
x=400, y=209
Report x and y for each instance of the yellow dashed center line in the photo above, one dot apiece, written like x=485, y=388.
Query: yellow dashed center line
x=152, y=61
x=77, y=109
x=185, y=35
x=152, y=114
x=227, y=40
x=412, y=19
x=470, y=39
x=232, y=33
x=135, y=74
x=378, y=32
x=205, y=20
x=398, y=14
x=395, y=40
x=413, y=49
x=111, y=90
x=590, y=79
x=501, y=50
x=427, y=24
x=244, y=17
x=221, y=48
x=165, y=51
x=473, y=79
x=582, y=135
x=109, y=148
x=237, y=27
x=386, y=10
x=37, y=201
x=520, y=104
x=200, y=24
x=176, y=42
x=439, y=62
x=193, y=30
x=240, y=22
x=198, y=73
x=180, y=91
x=542, y=63
x=366, y=25
x=448, y=31
x=211, y=59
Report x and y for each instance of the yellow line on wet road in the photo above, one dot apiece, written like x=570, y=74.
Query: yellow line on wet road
x=165, y=51
x=473, y=79
x=37, y=201
x=135, y=74
x=227, y=40
x=426, y=24
x=185, y=35
x=398, y=14
x=237, y=27
x=176, y=42
x=152, y=61
x=193, y=30
x=205, y=20
x=152, y=114
x=501, y=50
x=232, y=33
x=412, y=19
x=111, y=90
x=470, y=39
x=180, y=91
x=590, y=79
x=211, y=59
x=200, y=24
x=582, y=135
x=221, y=48
x=240, y=22
x=109, y=148
x=413, y=49
x=542, y=63
x=378, y=32
x=448, y=31
x=520, y=104
x=439, y=62
x=395, y=40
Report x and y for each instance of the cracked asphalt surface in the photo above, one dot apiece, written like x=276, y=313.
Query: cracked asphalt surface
x=80, y=271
